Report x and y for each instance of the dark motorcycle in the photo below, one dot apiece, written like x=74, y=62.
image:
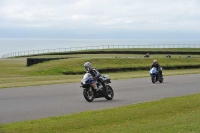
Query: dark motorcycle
x=155, y=76
x=103, y=89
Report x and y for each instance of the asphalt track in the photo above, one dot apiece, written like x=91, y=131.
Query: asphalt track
x=27, y=103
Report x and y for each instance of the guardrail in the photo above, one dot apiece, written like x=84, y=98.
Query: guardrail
x=72, y=49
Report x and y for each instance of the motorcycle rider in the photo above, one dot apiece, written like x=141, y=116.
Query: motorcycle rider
x=157, y=65
x=95, y=74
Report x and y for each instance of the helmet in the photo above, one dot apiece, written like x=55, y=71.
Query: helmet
x=87, y=66
x=155, y=61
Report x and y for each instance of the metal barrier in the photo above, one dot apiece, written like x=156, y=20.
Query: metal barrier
x=72, y=49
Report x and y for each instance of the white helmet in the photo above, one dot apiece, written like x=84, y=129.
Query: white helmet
x=87, y=66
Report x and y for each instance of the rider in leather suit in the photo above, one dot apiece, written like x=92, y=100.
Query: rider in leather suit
x=94, y=72
x=157, y=65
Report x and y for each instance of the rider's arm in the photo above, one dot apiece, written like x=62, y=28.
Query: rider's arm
x=96, y=73
x=158, y=67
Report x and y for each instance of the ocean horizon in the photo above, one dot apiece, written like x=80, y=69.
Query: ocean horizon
x=11, y=45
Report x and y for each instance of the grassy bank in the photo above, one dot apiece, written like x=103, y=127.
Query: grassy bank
x=14, y=73
x=58, y=67
x=179, y=114
x=21, y=80
x=14, y=68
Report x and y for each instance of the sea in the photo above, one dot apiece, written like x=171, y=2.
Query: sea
x=12, y=45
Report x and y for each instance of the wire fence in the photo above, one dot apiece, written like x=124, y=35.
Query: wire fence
x=102, y=47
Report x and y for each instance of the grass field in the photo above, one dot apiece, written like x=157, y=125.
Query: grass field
x=21, y=80
x=58, y=67
x=15, y=73
x=169, y=115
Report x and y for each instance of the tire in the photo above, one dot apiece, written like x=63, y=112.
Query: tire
x=88, y=94
x=161, y=80
x=109, y=93
x=153, y=79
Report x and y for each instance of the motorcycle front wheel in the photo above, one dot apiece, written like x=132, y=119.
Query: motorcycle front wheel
x=88, y=94
x=109, y=93
x=153, y=79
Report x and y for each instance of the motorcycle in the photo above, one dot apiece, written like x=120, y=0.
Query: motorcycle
x=88, y=84
x=155, y=76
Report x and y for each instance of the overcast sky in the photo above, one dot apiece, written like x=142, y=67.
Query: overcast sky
x=108, y=19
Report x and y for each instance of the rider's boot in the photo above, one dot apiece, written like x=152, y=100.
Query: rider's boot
x=99, y=87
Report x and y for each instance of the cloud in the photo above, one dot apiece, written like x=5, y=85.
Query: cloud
x=101, y=14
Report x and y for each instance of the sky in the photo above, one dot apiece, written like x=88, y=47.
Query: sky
x=100, y=19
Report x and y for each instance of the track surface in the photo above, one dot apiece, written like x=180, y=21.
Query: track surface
x=26, y=103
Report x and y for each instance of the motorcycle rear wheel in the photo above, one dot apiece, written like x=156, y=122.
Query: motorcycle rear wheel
x=109, y=93
x=88, y=94
x=161, y=80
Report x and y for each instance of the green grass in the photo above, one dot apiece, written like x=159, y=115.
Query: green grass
x=14, y=73
x=169, y=115
x=180, y=114
x=21, y=80
x=76, y=65
x=14, y=68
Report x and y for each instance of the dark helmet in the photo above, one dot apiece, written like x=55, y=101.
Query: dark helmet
x=87, y=66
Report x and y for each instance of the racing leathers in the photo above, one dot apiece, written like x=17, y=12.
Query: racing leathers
x=96, y=74
x=158, y=68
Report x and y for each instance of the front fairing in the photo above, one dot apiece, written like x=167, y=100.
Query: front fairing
x=153, y=71
x=87, y=80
